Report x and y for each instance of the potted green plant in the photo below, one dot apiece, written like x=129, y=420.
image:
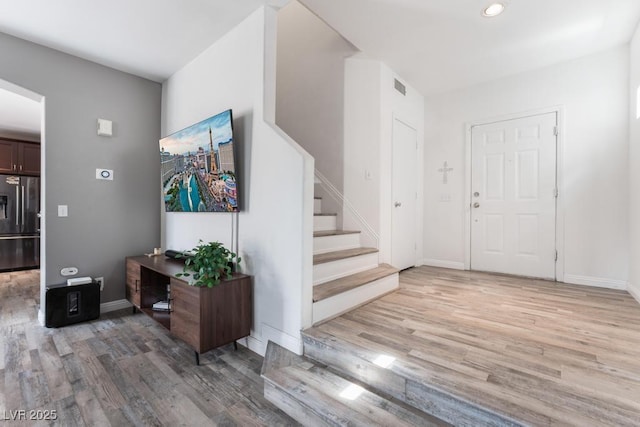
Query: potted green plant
x=209, y=263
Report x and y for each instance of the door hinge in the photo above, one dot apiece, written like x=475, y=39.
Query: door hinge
x=555, y=131
x=556, y=258
x=555, y=192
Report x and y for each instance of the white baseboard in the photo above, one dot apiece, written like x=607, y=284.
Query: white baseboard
x=256, y=345
x=114, y=305
x=598, y=282
x=634, y=292
x=282, y=338
x=443, y=264
x=259, y=344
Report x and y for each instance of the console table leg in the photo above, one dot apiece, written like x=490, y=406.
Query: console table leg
x=197, y=358
x=134, y=309
x=235, y=345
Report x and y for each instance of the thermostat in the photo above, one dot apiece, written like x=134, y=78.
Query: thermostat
x=104, y=174
x=105, y=127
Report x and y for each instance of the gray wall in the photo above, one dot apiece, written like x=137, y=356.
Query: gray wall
x=107, y=220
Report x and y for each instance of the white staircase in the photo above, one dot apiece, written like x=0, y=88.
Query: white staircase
x=345, y=274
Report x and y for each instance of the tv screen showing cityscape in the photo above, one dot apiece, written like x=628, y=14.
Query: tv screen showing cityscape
x=198, y=167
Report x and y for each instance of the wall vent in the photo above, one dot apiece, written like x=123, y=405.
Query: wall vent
x=400, y=87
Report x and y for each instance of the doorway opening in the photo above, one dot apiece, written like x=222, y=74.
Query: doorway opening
x=22, y=231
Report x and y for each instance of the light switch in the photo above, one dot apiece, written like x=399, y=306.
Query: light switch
x=63, y=210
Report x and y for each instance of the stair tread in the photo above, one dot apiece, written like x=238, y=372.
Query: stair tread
x=325, y=214
x=449, y=402
x=318, y=389
x=342, y=254
x=333, y=233
x=344, y=284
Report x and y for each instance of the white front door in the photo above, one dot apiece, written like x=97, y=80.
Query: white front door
x=404, y=193
x=513, y=196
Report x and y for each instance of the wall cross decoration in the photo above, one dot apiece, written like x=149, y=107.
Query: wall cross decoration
x=445, y=169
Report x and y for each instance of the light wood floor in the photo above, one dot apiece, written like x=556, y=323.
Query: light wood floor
x=120, y=370
x=545, y=353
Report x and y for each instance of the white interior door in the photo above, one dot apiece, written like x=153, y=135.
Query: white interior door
x=404, y=193
x=513, y=196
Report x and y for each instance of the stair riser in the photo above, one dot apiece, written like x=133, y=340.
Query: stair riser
x=338, y=242
x=312, y=394
x=317, y=206
x=336, y=269
x=324, y=223
x=345, y=301
x=402, y=386
x=291, y=406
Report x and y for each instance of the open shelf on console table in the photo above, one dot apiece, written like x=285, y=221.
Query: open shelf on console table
x=204, y=318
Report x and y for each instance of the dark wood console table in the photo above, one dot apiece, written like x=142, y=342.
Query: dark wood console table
x=204, y=318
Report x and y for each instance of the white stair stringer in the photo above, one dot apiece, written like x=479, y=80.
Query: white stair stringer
x=345, y=301
x=336, y=242
x=343, y=267
x=324, y=222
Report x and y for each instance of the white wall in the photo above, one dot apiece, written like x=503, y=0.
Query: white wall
x=273, y=179
x=371, y=103
x=593, y=92
x=634, y=167
x=310, y=87
x=362, y=135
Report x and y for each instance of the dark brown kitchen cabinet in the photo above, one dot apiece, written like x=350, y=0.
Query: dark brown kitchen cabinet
x=19, y=157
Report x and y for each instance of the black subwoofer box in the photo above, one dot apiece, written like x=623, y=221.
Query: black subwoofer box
x=66, y=305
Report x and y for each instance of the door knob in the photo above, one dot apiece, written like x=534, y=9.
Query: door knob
x=397, y=204
x=476, y=205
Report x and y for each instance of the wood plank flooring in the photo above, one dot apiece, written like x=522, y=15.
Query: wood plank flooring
x=120, y=370
x=544, y=353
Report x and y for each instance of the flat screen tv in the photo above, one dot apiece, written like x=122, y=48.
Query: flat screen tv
x=199, y=167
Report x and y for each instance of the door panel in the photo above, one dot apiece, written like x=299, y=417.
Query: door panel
x=513, y=205
x=494, y=234
x=527, y=169
x=527, y=236
x=9, y=204
x=8, y=156
x=29, y=155
x=31, y=188
x=494, y=183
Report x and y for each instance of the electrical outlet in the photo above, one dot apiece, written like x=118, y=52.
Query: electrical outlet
x=101, y=281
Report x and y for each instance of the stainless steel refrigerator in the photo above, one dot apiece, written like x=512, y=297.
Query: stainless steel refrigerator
x=19, y=222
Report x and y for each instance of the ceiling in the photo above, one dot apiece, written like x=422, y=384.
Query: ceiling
x=434, y=45
x=440, y=45
x=19, y=116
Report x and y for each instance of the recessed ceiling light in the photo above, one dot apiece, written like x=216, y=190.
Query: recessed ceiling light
x=493, y=9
